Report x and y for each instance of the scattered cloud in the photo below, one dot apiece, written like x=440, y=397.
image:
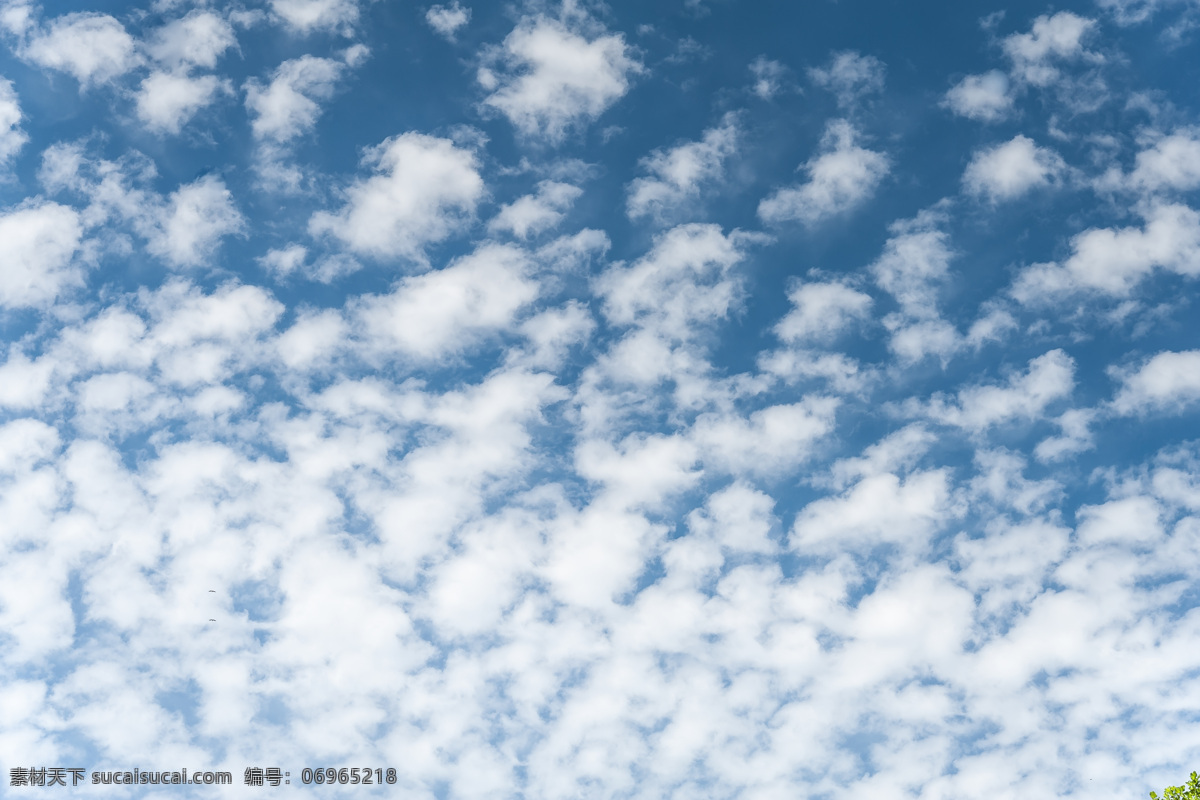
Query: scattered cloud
x=913, y=267
x=840, y=178
x=491, y=428
x=983, y=97
x=12, y=138
x=1114, y=261
x=850, y=76
x=535, y=213
x=1024, y=396
x=198, y=39
x=1172, y=164
x=1051, y=39
x=1167, y=382
x=287, y=107
x=1009, y=170
x=197, y=216
x=770, y=77
x=822, y=310
x=446, y=20
x=677, y=174
x=548, y=79
x=38, y=243
x=310, y=16
x=93, y=48
x=441, y=312
x=424, y=189
x=167, y=101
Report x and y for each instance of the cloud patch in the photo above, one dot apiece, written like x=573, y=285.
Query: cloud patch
x=1169, y=381
x=93, y=48
x=424, y=189
x=1051, y=39
x=1024, y=396
x=447, y=20
x=38, y=244
x=850, y=76
x=841, y=177
x=547, y=79
x=677, y=174
x=983, y=97
x=445, y=311
x=1008, y=170
x=187, y=231
x=12, y=138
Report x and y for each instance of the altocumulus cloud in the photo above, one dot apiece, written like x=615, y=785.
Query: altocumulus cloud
x=564, y=399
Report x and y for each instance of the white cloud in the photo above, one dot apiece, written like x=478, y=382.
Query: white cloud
x=1051, y=38
x=534, y=213
x=188, y=230
x=915, y=339
x=1050, y=377
x=312, y=339
x=183, y=229
x=168, y=101
x=446, y=20
x=1130, y=521
x=1177, y=483
x=284, y=261
x=197, y=339
x=1008, y=565
x=1115, y=260
x=1009, y=170
x=840, y=178
x=994, y=326
x=1001, y=483
x=310, y=16
x=552, y=332
x=822, y=310
x=1076, y=437
x=879, y=509
x=678, y=173
x=196, y=40
x=556, y=79
x=850, y=76
x=665, y=305
x=287, y=107
x=12, y=138
x=424, y=189
x=94, y=48
x=914, y=265
x=982, y=97
x=567, y=520
x=895, y=453
x=738, y=518
x=772, y=441
x=38, y=243
x=769, y=77
x=1130, y=12
x=445, y=311
x=1167, y=382
x=844, y=375
x=641, y=471
x=24, y=382
x=667, y=289
x=1172, y=163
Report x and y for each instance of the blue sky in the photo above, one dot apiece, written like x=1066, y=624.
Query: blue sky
x=679, y=399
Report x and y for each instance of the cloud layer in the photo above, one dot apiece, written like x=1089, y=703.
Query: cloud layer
x=568, y=399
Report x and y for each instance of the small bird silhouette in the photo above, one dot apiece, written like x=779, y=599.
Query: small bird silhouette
x=212, y=620
x=213, y=591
